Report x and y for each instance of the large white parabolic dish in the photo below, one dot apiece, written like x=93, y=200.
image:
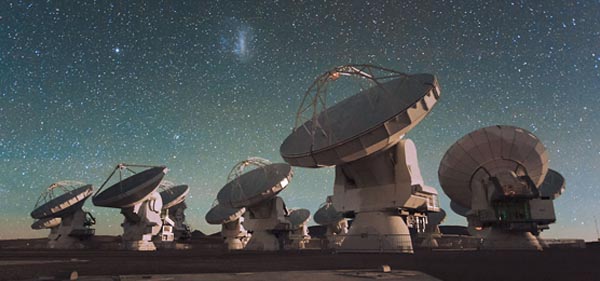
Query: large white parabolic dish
x=298, y=217
x=174, y=195
x=131, y=190
x=484, y=152
x=256, y=186
x=64, y=204
x=327, y=214
x=221, y=214
x=363, y=123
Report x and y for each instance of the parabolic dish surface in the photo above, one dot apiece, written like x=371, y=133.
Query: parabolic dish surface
x=256, y=185
x=174, y=195
x=220, y=214
x=327, y=214
x=64, y=204
x=298, y=217
x=363, y=123
x=131, y=190
x=487, y=151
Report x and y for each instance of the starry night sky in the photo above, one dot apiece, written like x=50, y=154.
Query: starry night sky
x=200, y=85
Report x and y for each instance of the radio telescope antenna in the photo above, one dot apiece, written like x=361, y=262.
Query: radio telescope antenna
x=255, y=186
x=265, y=213
x=336, y=223
x=230, y=218
x=173, y=211
x=377, y=171
x=298, y=236
x=135, y=194
x=234, y=234
x=59, y=208
x=500, y=174
x=173, y=195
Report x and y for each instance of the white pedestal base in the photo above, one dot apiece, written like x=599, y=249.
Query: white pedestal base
x=70, y=233
x=499, y=239
x=140, y=245
x=262, y=241
x=142, y=222
x=376, y=232
x=234, y=243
